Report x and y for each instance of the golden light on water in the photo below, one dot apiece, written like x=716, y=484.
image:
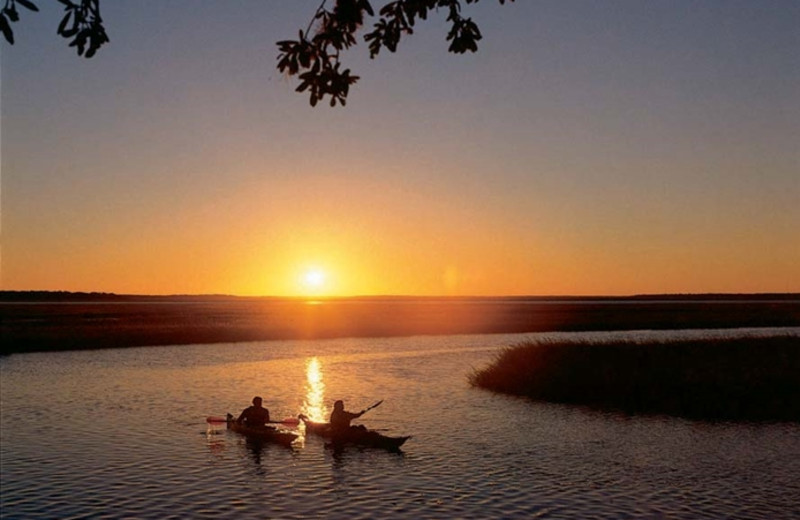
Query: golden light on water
x=313, y=405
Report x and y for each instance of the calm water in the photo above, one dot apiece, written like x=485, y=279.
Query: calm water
x=122, y=434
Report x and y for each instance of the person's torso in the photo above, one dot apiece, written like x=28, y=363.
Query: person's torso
x=256, y=416
x=340, y=419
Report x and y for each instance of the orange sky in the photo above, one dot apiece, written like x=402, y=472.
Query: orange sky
x=584, y=150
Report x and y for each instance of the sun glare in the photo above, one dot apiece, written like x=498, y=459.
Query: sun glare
x=315, y=278
x=314, y=281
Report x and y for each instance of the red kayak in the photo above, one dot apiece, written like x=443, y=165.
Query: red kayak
x=266, y=433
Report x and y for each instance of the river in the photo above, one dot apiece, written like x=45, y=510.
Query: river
x=122, y=433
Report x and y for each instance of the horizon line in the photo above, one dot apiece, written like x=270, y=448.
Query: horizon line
x=112, y=295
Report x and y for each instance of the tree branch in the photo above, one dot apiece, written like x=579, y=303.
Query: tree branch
x=315, y=60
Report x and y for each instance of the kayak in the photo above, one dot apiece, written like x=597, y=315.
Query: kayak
x=356, y=435
x=266, y=433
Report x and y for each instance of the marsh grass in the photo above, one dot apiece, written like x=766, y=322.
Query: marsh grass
x=32, y=322
x=718, y=379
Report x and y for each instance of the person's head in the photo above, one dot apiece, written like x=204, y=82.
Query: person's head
x=257, y=401
x=338, y=405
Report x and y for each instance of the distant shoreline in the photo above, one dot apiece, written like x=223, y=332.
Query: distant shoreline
x=101, y=297
x=34, y=322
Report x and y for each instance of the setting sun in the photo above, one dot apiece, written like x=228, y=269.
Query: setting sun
x=314, y=280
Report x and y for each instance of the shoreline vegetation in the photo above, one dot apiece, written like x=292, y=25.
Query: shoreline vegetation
x=33, y=321
x=729, y=379
x=101, y=297
x=744, y=378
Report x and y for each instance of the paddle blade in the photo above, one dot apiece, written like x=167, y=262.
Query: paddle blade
x=289, y=421
x=214, y=420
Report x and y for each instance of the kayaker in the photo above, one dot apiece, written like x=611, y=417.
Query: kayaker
x=340, y=418
x=255, y=416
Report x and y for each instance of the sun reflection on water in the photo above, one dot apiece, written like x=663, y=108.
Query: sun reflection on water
x=313, y=406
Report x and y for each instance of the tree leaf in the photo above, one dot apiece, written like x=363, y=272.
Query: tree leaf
x=7, y=32
x=368, y=8
x=63, y=24
x=12, y=13
x=28, y=5
x=69, y=33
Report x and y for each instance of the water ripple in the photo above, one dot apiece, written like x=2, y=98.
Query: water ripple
x=131, y=442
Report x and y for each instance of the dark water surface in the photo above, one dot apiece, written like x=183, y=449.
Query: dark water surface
x=122, y=434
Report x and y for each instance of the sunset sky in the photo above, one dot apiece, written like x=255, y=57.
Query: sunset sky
x=588, y=148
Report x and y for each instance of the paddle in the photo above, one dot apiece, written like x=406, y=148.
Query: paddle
x=368, y=408
x=289, y=421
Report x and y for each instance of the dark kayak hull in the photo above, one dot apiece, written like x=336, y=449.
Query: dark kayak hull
x=356, y=435
x=265, y=434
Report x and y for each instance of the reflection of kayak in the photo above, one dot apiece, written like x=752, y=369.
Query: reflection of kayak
x=267, y=433
x=357, y=435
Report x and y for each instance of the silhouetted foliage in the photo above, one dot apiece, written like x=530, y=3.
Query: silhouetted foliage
x=82, y=23
x=316, y=58
x=315, y=55
x=10, y=14
x=748, y=378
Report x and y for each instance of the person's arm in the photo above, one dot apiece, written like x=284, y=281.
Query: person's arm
x=242, y=415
